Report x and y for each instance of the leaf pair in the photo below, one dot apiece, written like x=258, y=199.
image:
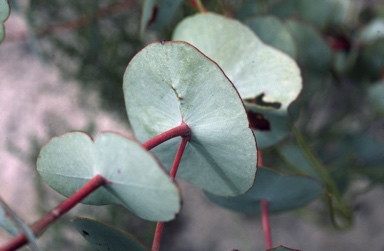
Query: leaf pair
x=164, y=85
x=136, y=179
x=267, y=79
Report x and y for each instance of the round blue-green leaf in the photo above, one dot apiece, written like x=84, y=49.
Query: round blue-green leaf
x=283, y=193
x=170, y=82
x=253, y=67
x=105, y=237
x=280, y=38
x=4, y=13
x=137, y=181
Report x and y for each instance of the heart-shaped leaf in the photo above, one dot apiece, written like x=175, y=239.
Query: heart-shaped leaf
x=137, y=181
x=171, y=82
x=259, y=71
x=253, y=67
x=4, y=13
x=282, y=192
x=106, y=237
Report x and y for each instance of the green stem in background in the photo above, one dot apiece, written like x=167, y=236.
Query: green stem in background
x=175, y=167
x=40, y=226
x=198, y=5
x=266, y=225
x=286, y=162
x=333, y=192
x=181, y=130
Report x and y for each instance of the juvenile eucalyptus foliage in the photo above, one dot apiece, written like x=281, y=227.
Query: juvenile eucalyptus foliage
x=268, y=91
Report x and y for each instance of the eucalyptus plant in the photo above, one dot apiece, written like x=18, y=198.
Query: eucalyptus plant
x=210, y=105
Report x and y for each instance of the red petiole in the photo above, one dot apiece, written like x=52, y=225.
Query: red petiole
x=264, y=209
x=175, y=166
x=39, y=227
x=266, y=225
x=98, y=181
x=181, y=130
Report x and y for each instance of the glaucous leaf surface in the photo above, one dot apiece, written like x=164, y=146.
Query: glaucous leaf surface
x=105, y=237
x=4, y=13
x=255, y=68
x=137, y=181
x=170, y=82
x=280, y=38
x=283, y=193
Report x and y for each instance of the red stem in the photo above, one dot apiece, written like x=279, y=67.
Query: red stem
x=181, y=130
x=58, y=211
x=178, y=156
x=266, y=225
x=158, y=234
x=175, y=167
